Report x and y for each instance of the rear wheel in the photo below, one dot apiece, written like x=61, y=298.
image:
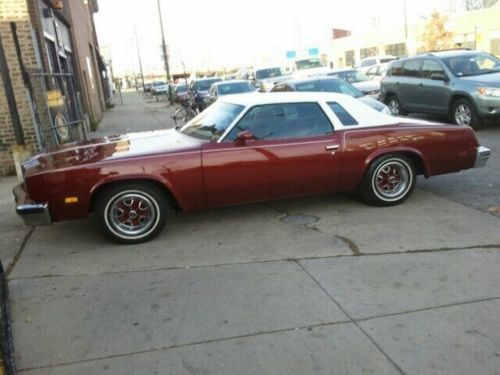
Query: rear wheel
x=131, y=212
x=388, y=181
x=464, y=113
x=395, y=106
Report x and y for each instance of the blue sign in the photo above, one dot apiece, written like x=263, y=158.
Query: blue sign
x=291, y=54
x=313, y=51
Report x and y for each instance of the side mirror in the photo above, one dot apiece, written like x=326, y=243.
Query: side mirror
x=439, y=77
x=243, y=137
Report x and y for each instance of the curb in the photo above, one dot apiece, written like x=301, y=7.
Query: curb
x=7, y=366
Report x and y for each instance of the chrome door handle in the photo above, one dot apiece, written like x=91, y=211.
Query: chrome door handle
x=332, y=147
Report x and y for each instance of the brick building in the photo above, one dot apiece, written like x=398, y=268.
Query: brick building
x=64, y=86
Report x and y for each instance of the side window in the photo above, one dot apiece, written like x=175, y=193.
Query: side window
x=429, y=67
x=344, y=117
x=396, y=69
x=411, y=68
x=372, y=71
x=283, y=121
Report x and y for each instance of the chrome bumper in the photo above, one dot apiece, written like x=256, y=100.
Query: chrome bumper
x=33, y=214
x=482, y=156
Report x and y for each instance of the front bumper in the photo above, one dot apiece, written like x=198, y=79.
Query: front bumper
x=33, y=214
x=482, y=156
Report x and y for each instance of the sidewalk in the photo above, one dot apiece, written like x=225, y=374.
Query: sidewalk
x=138, y=112
x=408, y=289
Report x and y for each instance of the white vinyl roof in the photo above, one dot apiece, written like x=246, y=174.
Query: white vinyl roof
x=365, y=115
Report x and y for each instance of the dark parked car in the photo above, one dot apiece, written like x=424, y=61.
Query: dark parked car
x=243, y=148
x=330, y=84
x=462, y=84
x=222, y=88
x=199, y=88
x=180, y=92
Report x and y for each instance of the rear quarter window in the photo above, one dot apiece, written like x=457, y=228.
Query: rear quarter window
x=396, y=69
x=344, y=117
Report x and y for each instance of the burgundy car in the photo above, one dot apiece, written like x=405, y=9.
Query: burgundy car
x=244, y=148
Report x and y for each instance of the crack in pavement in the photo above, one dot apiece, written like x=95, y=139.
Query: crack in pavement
x=11, y=266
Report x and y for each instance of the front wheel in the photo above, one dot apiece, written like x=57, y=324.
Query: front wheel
x=131, y=212
x=464, y=113
x=388, y=181
x=182, y=115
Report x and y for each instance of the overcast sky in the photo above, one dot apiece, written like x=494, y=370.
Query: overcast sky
x=210, y=34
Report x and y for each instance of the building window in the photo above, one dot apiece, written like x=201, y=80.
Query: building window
x=397, y=49
x=495, y=47
x=367, y=52
x=349, y=58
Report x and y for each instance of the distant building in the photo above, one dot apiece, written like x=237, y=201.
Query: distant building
x=478, y=29
x=58, y=82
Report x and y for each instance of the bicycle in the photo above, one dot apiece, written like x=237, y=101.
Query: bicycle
x=186, y=111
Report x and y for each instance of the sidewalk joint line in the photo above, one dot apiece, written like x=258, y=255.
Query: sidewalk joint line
x=371, y=339
x=173, y=268
x=178, y=346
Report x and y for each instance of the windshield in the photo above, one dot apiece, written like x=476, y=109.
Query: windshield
x=205, y=84
x=472, y=65
x=212, y=122
x=330, y=85
x=180, y=88
x=308, y=64
x=352, y=76
x=234, y=88
x=268, y=73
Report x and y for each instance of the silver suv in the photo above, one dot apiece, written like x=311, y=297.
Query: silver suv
x=462, y=84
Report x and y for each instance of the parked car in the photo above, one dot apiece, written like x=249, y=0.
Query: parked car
x=308, y=67
x=366, y=63
x=359, y=80
x=243, y=148
x=147, y=87
x=330, y=84
x=377, y=72
x=199, y=88
x=465, y=85
x=264, y=78
x=159, y=88
x=180, y=92
x=230, y=87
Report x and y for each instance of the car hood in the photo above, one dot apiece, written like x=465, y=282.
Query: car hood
x=490, y=80
x=367, y=86
x=375, y=104
x=113, y=148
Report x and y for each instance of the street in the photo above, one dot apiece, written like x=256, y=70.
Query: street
x=318, y=285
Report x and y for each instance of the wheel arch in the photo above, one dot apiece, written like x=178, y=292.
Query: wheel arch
x=457, y=96
x=162, y=185
x=419, y=163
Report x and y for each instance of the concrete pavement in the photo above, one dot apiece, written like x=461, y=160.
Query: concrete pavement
x=321, y=285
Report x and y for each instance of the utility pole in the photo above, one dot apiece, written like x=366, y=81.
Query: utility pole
x=139, y=56
x=406, y=21
x=165, y=56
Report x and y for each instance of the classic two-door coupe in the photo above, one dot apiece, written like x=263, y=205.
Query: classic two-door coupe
x=244, y=148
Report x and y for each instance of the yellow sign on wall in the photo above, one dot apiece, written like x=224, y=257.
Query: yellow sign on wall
x=55, y=98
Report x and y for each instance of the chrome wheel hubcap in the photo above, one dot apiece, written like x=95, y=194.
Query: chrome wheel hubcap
x=391, y=180
x=132, y=214
x=463, y=115
x=394, y=106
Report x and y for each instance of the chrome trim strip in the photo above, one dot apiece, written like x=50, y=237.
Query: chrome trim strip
x=482, y=156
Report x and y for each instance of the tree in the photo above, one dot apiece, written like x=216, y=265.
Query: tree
x=435, y=35
x=467, y=5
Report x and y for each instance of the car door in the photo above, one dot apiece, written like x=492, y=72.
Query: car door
x=434, y=93
x=292, y=154
x=409, y=84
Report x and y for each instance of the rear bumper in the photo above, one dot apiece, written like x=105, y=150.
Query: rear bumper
x=33, y=214
x=482, y=156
